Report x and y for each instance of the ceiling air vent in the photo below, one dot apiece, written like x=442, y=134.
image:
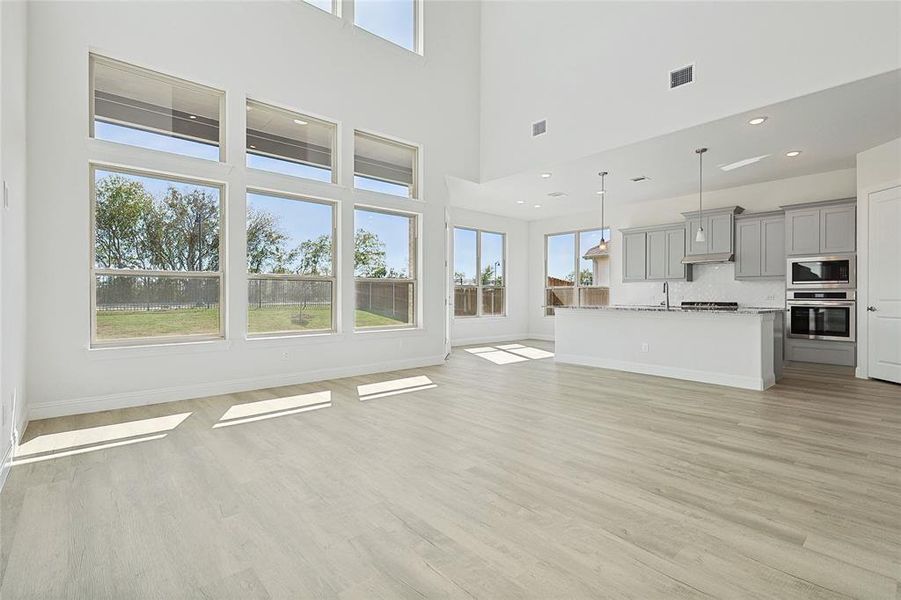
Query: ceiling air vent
x=641, y=178
x=682, y=76
x=539, y=128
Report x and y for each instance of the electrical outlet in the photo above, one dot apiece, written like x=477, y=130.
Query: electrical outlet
x=644, y=346
x=284, y=356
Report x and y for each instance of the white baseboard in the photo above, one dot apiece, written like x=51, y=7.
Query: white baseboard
x=748, y=383
x=89, y=404
x=544, y=337
x=490, y=339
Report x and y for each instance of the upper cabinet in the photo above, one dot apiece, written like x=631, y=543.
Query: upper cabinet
x=820, y=228
x=655, y=254
x=760, y=246
x=718, y=226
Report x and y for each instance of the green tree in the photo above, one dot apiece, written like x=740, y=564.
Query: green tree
x=315, y=256
x=491, y=277
x=266, y=252
x=122, y=209
x=183, y=231
x=369, y=255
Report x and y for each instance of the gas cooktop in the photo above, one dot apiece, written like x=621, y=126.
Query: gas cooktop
x=709, y=305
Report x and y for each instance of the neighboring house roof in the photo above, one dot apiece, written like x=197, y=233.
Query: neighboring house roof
x=596, y=253
x=557, y=282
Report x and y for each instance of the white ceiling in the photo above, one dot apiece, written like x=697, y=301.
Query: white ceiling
x=829, y=127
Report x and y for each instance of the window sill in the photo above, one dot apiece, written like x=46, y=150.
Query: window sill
x=158, y=349
x=290, y=339
x=392, y=331
x=362, y=194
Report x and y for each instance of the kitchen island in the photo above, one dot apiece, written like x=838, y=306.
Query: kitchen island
x=739, y=348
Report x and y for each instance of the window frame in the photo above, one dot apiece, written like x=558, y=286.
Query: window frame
x=334, y=279
x=577, y=287
x=414, y=242
x=94, y=272
x=94, y=57
x=336, y=137
x=479, y=286
x=415, y=189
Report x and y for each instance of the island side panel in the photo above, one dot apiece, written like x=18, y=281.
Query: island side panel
x=727, y=349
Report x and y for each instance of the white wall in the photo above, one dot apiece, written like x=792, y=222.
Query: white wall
x=294, y=55
x=877, y=169
x=711, y=282
x=598, y=71
x=515, y=325
x=13, y=17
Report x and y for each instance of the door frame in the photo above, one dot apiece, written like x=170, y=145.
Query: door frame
x=863, y=272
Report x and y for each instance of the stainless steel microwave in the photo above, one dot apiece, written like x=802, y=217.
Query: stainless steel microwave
x=821, y=272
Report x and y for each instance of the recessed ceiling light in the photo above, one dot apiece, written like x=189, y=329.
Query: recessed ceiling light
x=252, y=146
x=545, y=175
x=192, y=116
x=520, y=201
x=300, y=121
x=793, y=153
x=537, y=206
x=757, y=120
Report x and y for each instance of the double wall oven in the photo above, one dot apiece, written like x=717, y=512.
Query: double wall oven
x=820, y=298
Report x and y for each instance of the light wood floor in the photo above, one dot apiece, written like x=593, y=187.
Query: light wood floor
x=520, y=480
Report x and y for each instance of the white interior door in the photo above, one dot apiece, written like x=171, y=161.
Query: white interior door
x=884, y=306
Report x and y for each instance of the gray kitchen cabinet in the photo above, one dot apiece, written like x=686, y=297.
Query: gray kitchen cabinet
x=657, y=255
x=837, y=228
x=675, y=252
x=634, y=256
x=772, y=246
x=747, y=248
x=820, y=228
x=654, y=253
x=760, y=246
x=718, y=226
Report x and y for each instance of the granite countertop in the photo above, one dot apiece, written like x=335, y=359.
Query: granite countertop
x=742, y=310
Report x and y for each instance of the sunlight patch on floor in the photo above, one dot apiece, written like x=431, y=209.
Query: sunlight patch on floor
x=260, y=410
x=91, y=439
x=392, y=387
x=505, y=354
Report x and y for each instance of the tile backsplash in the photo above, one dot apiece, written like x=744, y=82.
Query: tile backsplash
x=711, y=282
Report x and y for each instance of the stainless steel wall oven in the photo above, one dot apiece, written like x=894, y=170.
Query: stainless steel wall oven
x=821, y=314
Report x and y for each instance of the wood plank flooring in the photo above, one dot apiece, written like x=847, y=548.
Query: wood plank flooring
x=520, y=480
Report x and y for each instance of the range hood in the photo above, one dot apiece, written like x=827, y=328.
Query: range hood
x=703, y=259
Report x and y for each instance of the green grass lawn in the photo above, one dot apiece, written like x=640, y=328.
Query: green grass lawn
x=114, y=325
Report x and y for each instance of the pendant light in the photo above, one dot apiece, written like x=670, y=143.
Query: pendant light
x=603, y=245
x=701, y=236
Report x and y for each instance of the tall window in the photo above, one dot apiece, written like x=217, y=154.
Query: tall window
x=479, y=273
x=383, y=165
x=156, y=272
x=134, y=106
x=574, y=270
x=384, y=269
x=393, y=20
x=330, y=6
x=291, y=265
x=290, y=143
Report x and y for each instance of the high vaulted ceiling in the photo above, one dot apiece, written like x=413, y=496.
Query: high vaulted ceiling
x=828, y=127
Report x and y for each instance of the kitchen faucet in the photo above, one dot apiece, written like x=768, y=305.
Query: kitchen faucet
x=666, y=291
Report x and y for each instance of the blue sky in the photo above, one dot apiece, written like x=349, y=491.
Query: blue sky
x=154, y=141
x=465, y=253
x=393, y=230
x=299, y=220
x=158, y=187
x=560, y=250
x=390, y=19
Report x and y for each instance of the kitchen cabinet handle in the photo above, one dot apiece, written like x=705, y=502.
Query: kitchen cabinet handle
x=871, y=308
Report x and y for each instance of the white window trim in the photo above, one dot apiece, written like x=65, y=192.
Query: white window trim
x=94, y=272
x=478, y=285
x=333, y=278
x=576, y=287
x=94, y=58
